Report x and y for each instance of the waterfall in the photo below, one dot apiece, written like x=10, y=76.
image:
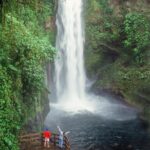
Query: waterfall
x=69, y=64
x=69, y=75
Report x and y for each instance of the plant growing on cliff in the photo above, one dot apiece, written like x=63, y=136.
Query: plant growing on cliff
x=25, y=48
x=137, y=29
x=117, y=48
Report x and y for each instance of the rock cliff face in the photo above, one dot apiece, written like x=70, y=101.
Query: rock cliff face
x=113, y=56
x=36, y=122
x=130, y=5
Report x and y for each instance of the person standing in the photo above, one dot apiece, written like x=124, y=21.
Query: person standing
x=61, y=136
x=47, y=135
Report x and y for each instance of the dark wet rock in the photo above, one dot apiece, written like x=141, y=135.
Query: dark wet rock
x=130, y=147
x=115, y=145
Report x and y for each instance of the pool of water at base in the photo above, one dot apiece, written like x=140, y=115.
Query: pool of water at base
x=93, y=132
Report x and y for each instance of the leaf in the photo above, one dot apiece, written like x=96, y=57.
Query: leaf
x=13, y=68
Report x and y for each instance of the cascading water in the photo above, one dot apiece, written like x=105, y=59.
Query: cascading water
x=69, y=65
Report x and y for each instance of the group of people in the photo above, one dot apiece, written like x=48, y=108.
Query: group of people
x=47, y=136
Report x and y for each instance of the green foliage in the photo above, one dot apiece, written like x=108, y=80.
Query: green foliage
x=9, y=118
x=137, y=29
x=25, y=48
x=117, y=48
x=124, y=79
x=102, y=25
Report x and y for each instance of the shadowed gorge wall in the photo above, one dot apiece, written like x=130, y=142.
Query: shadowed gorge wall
x=117, y=48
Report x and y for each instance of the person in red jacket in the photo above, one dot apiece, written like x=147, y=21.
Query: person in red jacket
x=47, y=135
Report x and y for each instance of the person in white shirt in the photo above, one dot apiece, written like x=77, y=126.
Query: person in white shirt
x=61, y=136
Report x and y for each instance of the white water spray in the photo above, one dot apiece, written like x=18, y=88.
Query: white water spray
x=69, y=66
x=70, y=77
